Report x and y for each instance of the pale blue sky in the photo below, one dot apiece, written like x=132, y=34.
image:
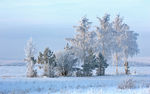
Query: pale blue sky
x=50, y=21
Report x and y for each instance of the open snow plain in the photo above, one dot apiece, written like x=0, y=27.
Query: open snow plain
x=13, y=81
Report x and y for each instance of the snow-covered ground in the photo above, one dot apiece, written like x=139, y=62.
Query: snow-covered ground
x=13, y=81
x=19, y=71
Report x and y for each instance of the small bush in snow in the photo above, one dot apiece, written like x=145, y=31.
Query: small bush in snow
x=127, y=84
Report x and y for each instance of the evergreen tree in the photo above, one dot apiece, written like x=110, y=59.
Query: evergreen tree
x=47, y=59
x=101, y=64
x=89, y=63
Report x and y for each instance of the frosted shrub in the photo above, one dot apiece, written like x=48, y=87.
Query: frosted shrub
x=127, y=84
x=65, y=62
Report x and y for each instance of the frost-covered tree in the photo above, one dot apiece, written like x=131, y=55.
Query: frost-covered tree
x=104, y=36
x=30, y=51
x=129, y=46
x=48, y=61
x=101, y=64
x=90, y=63
x=80, y=43
x=66, y=61
x=124, y=42
x=119, y=28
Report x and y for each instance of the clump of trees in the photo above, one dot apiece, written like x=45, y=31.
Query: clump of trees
x=89, y=50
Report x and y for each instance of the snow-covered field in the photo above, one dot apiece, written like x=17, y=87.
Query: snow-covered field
x=13, y=81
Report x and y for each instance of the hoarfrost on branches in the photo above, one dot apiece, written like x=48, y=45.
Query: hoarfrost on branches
x=29, y=53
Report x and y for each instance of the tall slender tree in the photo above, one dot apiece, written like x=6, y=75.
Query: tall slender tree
x=129, y=47
x=119, y=28
x=29, y=58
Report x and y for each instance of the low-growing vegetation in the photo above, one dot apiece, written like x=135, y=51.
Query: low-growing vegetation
x=127, y=84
